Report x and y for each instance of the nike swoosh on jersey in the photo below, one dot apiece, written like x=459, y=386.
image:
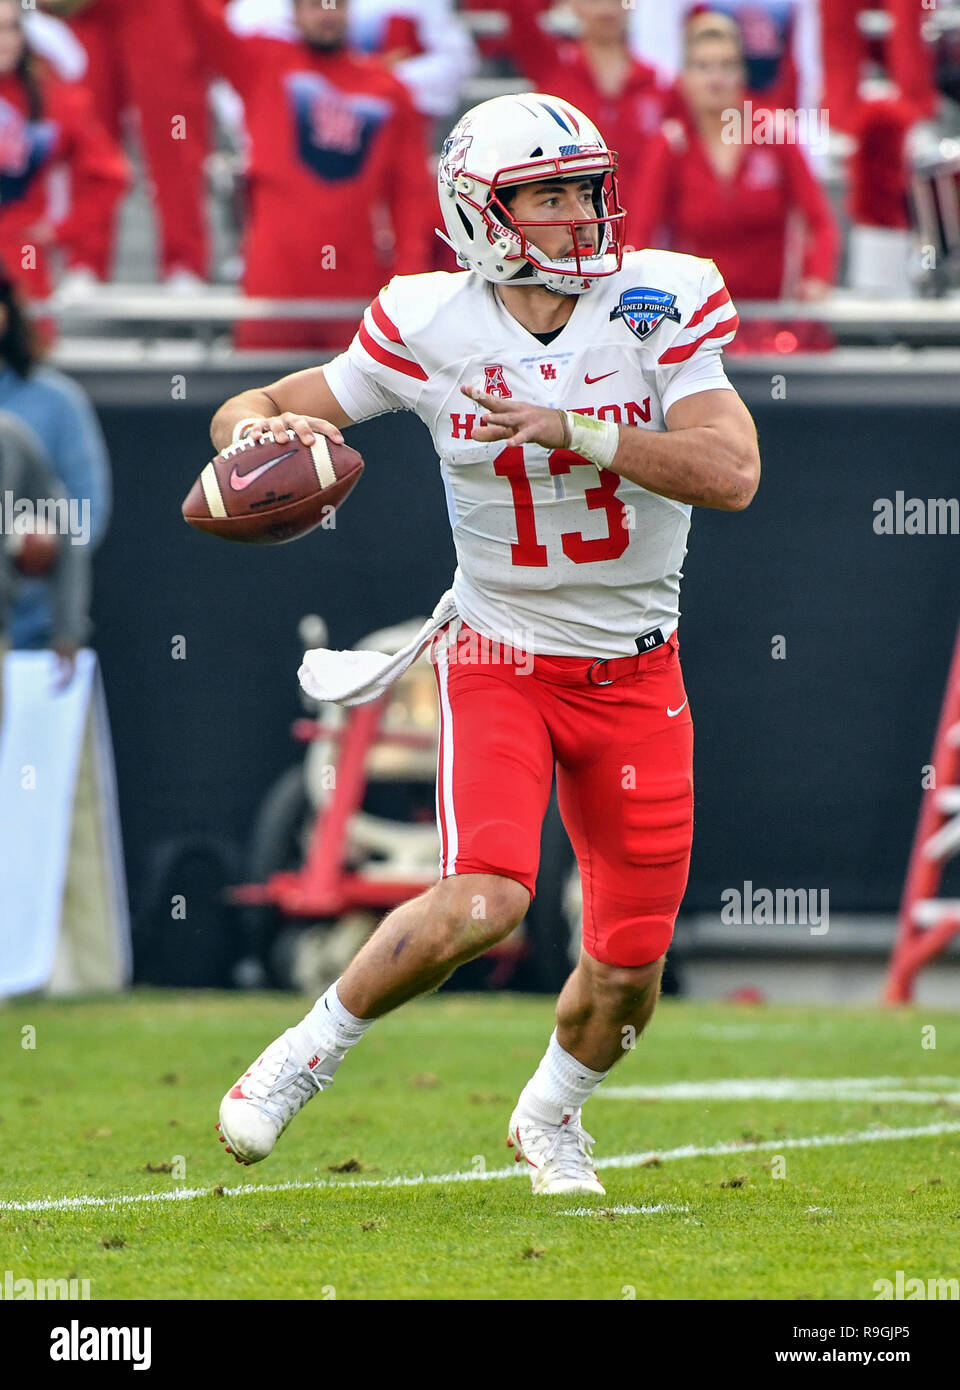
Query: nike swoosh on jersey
x=592, y=380
x=672, y=713
x=239, y=481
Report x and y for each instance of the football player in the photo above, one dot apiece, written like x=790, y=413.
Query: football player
x=579, y=407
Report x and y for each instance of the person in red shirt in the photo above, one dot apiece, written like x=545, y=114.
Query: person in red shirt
x=597, y=73
x=903, y=53
x=144, y=55
x=734, y=201
x=46, y=123
x=340, y=197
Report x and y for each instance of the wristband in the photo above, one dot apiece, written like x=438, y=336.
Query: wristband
x=242, y=426
x=596, y=440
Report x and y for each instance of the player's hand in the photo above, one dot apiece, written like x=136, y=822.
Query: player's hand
x=305, y=427
x=517, y=422
x=65, y=652
x=814, y=290
x=42, y=233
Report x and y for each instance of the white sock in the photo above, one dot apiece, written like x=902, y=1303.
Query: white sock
x=330, y=1030
x=559, y=1085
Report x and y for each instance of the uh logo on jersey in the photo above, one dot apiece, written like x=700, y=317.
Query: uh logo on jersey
x=25, y=147
x=644, y=309
x=334, y=128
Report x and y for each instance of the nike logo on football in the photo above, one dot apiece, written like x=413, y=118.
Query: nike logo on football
x=672, y=713
x=238, y=481
x=592, y=380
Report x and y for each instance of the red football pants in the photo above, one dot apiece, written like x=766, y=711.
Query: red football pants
x=624, y=762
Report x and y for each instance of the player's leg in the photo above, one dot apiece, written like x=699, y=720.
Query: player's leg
x=416, y=947
x=494, y=778
x=629, y=814
x=494, y=774
x=422, y=942
x=603, y=1009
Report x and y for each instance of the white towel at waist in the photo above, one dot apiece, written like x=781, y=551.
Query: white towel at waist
x=357, y=677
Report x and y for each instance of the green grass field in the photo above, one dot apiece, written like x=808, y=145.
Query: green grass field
x=120, y=1098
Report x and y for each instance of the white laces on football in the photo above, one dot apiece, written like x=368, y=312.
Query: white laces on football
x=248, y=442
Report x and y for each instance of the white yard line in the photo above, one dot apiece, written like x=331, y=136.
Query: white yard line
x=626, y=1210
x=639, y=1160
x=874, y=1088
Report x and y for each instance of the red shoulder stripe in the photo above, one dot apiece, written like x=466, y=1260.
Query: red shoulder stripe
x=390, y=359
x=680, y=354
x=721, y=297
x=386, y=324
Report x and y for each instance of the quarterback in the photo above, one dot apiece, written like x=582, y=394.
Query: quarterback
x=578, y=404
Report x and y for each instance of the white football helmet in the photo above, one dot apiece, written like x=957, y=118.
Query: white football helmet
x=525, y=139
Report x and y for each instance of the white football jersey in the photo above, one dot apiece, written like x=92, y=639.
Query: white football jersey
x=555, y=555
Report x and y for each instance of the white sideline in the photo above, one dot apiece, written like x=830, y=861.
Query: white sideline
x=626, y=1210
x=875, y=1088
x=184, y=1194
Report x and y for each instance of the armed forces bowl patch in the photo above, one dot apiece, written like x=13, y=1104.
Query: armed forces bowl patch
x=644, y=309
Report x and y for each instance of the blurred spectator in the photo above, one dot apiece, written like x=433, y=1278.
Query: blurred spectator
x=781, y=43
x=48, y=124
x=26, y=480
x=880, y=241
x=595, y=72
x=340, y=194
x=726, y=196
x=63, y=420
x=55, y=41
x=423, y=40
x=901, y=53
x=145, y=56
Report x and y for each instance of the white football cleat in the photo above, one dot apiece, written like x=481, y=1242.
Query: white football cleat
x=559, y=1154
x=256, y=1111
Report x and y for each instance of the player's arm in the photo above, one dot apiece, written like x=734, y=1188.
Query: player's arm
x=707, y=457
x=302, y=402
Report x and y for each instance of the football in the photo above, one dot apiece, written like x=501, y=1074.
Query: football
x=271, y=490
x=33, y=549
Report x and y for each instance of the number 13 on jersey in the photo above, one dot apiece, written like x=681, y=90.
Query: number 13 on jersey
x=527, y=550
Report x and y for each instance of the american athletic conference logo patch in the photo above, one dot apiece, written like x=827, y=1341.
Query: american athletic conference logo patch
x=644, y=309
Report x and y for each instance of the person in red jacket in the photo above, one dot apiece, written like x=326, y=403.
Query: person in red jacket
x=339, y=191
x=735, y=201
x=143, y=55
x=596, y=73
x=46, y=123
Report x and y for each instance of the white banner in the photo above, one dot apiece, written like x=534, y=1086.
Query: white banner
x=64, y=918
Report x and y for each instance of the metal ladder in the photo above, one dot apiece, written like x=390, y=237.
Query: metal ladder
x=928, y=923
